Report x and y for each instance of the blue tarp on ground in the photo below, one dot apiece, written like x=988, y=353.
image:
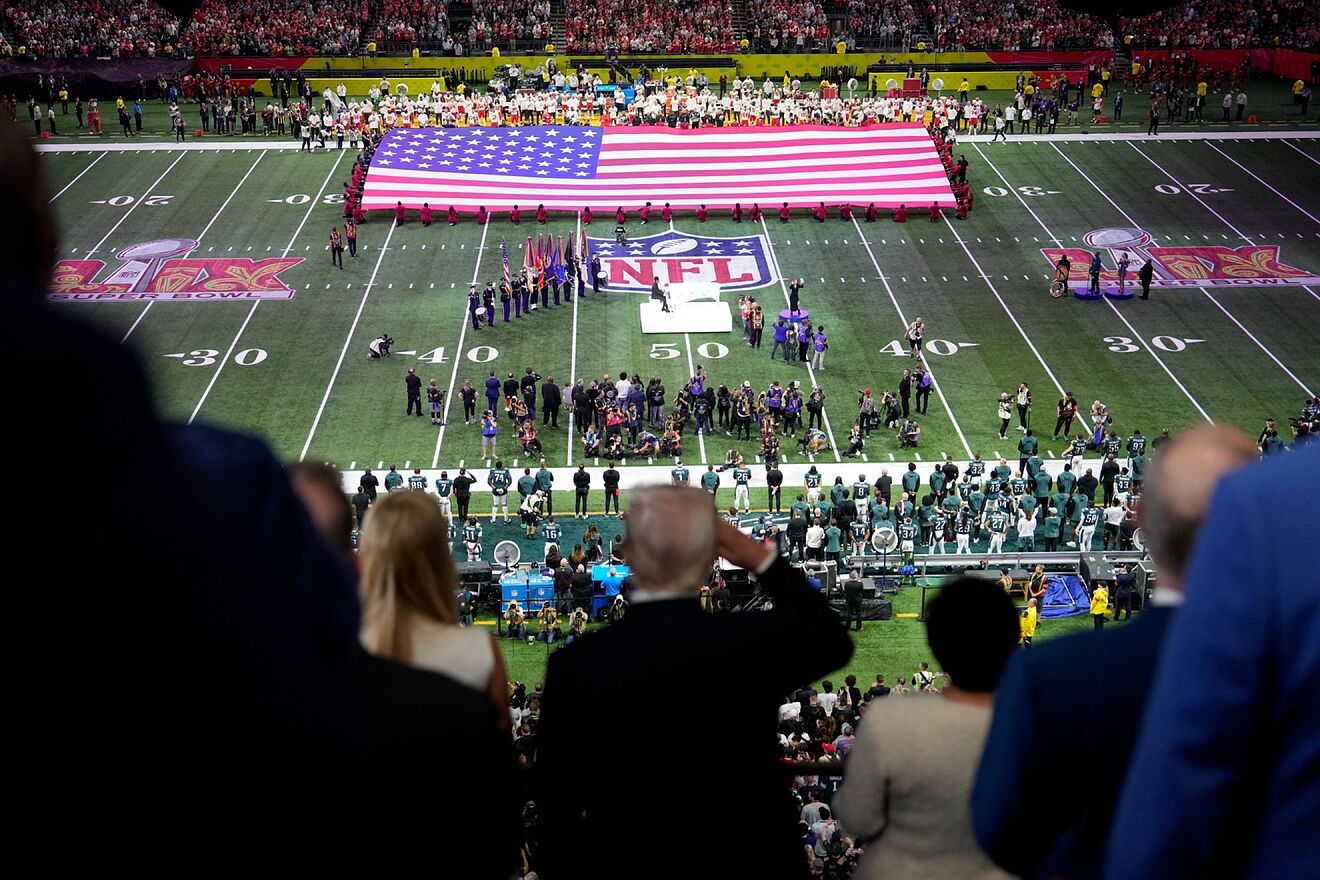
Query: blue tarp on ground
x=1065, y=596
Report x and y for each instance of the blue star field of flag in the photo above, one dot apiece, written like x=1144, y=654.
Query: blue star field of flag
x=542, y=151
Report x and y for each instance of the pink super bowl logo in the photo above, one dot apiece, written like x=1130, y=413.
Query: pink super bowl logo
x=161, y=270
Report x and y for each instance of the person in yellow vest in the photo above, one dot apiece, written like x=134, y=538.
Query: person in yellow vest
x=1202, y=89
x=963, y=88
x=1028, y=623
x=371, y=48
x=1097, y=91
x=1099, y=605
x=1028, y=90
x=1105, y=74
x=1297, y=92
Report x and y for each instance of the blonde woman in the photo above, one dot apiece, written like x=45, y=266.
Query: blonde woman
x=409, y=590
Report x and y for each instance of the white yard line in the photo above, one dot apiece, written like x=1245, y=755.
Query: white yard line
x=957, y=236
x=1112, y=307
x=902, y=317
x=458, y=352
x=200, y=235
x=76, y=179
x=1261, y=182
x=572, y=363
x=811, y=373
x=1268, y=353
x=692, y=371
x=1303, y=152
x=229, y=353
x=348, y=340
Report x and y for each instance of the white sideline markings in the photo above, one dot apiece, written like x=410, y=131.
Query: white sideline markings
x=348, y=340
x=76, y=179
x=1303, y=152
x=1270, y=354
x=572, y=362
x=234, y=344
x=1007, y=310
x=783, y=286
x=1261, y=182
x=1112, y=307
x=200, y=235
x=458, y=352
x=902, y=317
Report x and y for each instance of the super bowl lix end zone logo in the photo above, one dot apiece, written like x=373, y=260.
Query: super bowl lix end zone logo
x=673, y=257
x=160, y=270
x=1175, y=265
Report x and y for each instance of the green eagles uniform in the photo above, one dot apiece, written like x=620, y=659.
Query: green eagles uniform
x=800, y=508
x=832, y=536
x=1122, y=483
x=1138, y=464
x=1004, y=473
x=998, y=522
x=976, y=501
x=861, y=491
x=393, y=480
x=1028, y=503
x=879, y=514
x=813, y=479
x=1027, y=446
x=1065, y=482
x=836, y=492
x=1111, y=445
x=544, y=480
x=937, y=523
x=416, y=483
x=907, y=531
x=551, y=532
x=1034, y=465
x=976, y=470
x=526, y=485
x=1042, y=489
x=742, y=475
x=1018, y=486
x=1136, y=445
x=911, y=480
x=710, y=481
x=471, y=534
x=858, y=529
x=444, y=487
x=826, y=508
x=681, y=476
x=936, y=480
x=500, y=481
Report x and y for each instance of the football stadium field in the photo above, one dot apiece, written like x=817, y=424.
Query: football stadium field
x=248, y=325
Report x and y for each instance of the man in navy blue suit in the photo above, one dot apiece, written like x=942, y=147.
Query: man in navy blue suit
x=1225, y=780
x=1079, y=699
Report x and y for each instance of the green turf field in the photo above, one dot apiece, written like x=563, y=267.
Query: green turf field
x=295, y=372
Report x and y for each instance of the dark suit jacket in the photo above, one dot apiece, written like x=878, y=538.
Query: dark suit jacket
x=1225, y=780
x=1053, y=701
x=551, y=398
x=619, y=775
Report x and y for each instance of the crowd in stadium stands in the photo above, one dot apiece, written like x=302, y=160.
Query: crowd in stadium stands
x=1008, y=25
x=787, y=26
x=409, y=21
x=886, y=22
x=141, y=28
x=93, y=29
x=278, y=27
x=1228, y=24
x=499, y=22
x=673, y=27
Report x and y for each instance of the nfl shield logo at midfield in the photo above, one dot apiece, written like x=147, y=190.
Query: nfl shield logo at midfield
x=674, y=257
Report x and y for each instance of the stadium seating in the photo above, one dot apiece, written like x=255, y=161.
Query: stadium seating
x=799, y=27
x=141, y=28
x=671, y=27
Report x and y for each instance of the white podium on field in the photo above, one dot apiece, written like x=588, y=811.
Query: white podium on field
x=694, y=308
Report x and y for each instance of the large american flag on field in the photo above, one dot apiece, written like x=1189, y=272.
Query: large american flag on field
x=572, y=167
